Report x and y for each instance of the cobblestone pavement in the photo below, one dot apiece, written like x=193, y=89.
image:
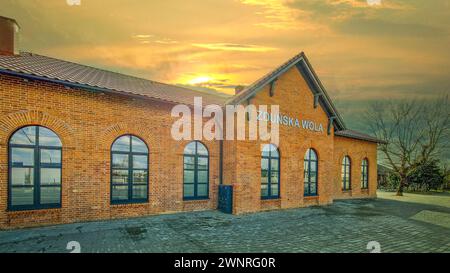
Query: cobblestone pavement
x=345, y=226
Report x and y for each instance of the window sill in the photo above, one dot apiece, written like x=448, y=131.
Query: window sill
x=270, y=198
x=120, y=204
x=29, y=209
x=311, y=197
x=33, y=211
x=196, y=199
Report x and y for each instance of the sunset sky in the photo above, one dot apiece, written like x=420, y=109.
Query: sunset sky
x=363, y=50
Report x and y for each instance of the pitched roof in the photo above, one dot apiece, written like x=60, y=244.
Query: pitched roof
x=358, y=135
x=304, y=67
x=34, y=66
x=68, y=73
x=10, y=19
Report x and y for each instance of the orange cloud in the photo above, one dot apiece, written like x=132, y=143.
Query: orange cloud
x=275, y=14
x=235, y=47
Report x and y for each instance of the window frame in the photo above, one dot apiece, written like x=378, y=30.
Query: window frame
x=130, y=169
x=196, y=170
x=365, y=174
x=308, y=152
x=347, y=169
x=37, y=205
x=269, y=173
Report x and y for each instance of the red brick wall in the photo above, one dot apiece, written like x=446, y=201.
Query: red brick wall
x=296, y=100
x=357, y=151
x=87, y=124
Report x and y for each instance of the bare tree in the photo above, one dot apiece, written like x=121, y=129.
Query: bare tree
x=414, y=132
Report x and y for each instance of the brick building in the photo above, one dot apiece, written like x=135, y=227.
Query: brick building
x=80, y=144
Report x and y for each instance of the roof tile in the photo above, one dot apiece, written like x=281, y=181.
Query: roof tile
x=54, y=69
x=51, y=68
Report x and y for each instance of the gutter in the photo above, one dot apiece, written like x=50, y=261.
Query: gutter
x=378, y=141
x=221, y=162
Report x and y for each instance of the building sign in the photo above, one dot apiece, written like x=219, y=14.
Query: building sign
x=290, y=121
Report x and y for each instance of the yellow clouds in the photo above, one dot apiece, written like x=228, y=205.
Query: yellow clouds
x=274, y=14
x=166, y=41
x=382, y=4
x=356, y=48
x=235, y=47
x=148, y=60
x=149, y=38
x=142, y=36
x=199, y=80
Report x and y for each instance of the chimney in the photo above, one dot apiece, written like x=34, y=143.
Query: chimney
x=8, y=36
x=238, y=89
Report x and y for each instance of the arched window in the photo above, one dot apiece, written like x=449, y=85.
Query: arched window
x=196, y=171
x=346, y=174
x=310, y=175
x=365, y=174
x=270, y=172
x=129, y=170
x=35, y=168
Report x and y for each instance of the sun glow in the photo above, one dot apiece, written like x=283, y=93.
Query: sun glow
x=200, y=80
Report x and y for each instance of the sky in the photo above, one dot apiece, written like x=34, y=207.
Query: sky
x=362, y=50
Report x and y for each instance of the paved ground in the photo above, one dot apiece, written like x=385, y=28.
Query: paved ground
x=345, y=226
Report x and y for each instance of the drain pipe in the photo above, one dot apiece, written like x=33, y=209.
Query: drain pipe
x=221, y=162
